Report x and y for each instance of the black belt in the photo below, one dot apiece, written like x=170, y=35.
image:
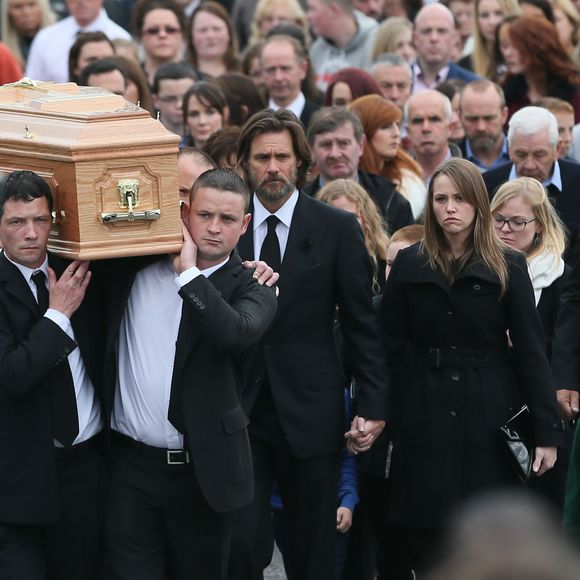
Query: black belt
x=458, y=358
x=79, y=449
x=157, y=454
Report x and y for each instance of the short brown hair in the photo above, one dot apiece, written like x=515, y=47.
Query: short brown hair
x=268, y=121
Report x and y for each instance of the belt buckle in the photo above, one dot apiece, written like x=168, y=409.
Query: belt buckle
x=173, y=453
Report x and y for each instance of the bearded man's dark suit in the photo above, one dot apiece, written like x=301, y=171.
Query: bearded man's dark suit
x=223, y=317
x=34, y=482
x=295, y=386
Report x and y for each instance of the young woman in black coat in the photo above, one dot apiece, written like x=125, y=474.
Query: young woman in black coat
x=525, y=219
x=452, y=299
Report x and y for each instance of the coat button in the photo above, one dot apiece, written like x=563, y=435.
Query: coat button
x=453, y=413
x=452, y=347
x=455, y=377
x=476, y=287
x=450, y=312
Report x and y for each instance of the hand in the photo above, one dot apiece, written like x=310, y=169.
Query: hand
x=263, y=274
x=187, y=258
x=67, y=293
x=343, y=520
x=363, y=432
x=544, y=460
x=568, y=402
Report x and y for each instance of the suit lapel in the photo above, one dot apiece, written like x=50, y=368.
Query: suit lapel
x=303, y=242
x=189, y=330
x=16, y=285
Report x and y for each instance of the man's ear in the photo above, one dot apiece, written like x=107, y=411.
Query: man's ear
x=246, y=222
x=185, y=212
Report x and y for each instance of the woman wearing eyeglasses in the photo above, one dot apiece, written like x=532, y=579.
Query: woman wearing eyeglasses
x=160, y=25
x=451, y=300
x=525, y=219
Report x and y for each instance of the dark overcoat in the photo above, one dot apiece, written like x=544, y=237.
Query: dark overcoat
x=448, y=446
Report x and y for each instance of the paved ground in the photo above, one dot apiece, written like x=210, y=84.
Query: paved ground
x=275, y=571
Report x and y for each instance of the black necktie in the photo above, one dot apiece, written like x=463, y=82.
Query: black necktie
x=63, y=402
x=270, y=252
x=39, y=280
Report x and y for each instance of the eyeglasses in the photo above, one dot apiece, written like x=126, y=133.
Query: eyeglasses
x=155, y=30
x=514, y=224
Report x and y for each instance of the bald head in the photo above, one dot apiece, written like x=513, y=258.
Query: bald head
x=434, y=36
x=428, y=117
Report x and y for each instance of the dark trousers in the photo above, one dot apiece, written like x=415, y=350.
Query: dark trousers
x=71, y=548
x=158, y=523
x=308, y=489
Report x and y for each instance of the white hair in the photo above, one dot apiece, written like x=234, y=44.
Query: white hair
x=531, y=120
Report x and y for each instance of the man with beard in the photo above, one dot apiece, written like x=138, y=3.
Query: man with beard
x=294, y=391
x=483, y=112
x=534, y=147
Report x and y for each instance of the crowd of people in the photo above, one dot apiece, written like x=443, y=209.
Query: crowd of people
x=379, y=270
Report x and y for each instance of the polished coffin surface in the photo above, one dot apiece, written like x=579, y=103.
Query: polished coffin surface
x=111, y=167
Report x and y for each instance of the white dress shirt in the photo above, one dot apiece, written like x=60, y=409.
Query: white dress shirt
x=88, y=406
x=296, y=106
x=48, y=57
x=146, y=354
x=284, y=214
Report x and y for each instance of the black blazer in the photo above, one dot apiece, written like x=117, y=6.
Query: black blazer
x=325, y=264
x=30, y=347
x=394, y=208
x=309, y=109
x=565, y=201
x=223, y=317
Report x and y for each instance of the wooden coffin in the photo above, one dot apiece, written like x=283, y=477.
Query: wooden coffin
x=111, y=167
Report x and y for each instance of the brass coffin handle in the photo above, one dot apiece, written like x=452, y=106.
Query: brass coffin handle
x=128, y=199
x=131, y=216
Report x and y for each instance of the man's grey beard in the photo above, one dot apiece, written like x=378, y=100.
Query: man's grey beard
x=484, y=142
x=273, y=196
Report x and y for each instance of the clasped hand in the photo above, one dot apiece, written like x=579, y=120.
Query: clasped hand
x=363, y=433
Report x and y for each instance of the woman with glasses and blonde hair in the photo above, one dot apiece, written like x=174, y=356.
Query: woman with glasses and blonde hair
x=451, y=299
x=525, y=219
x=348, y=195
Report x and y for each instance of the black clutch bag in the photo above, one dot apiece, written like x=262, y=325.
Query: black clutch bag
x=516, y=434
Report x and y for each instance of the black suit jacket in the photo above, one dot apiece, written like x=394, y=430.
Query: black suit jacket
x=566, y=202
x=223, y=317
x=325, y=264
x=30, y=348
x=394, y=208
x=309, y=109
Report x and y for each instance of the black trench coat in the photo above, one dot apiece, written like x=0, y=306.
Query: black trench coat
x=448, y=446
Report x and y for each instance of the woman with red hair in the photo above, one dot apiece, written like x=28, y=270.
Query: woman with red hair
x=537, y=64
x=349, y=84
x=383, y=155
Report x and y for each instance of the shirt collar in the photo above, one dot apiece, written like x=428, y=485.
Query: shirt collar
x=27, y=272
x=296, y=106
x=207, y=272
x=555, y=179
x=439, y=77
x=284, y=214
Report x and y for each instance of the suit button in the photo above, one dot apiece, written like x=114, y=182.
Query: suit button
x=455, y=377
x=453, y=413
x=476, y=287
x=452, y=347
x=450, y=312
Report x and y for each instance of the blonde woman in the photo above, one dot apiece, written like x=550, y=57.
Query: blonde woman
x=270, y=13
x=395, y=35
x=488, y=15
x=20, y=21
x=348, y=195
x=451, y=300
x=567, y=22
